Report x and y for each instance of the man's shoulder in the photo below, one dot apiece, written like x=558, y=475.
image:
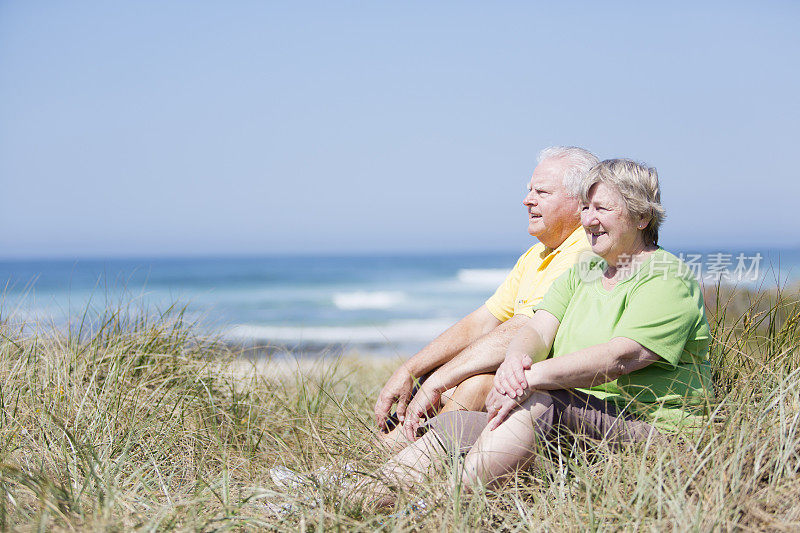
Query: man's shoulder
x=532, y=254
x=576, y=242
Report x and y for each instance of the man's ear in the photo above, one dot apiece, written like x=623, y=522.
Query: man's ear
x=644, y=221
x=578, y=207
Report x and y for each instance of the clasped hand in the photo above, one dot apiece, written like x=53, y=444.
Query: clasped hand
x=510, y=388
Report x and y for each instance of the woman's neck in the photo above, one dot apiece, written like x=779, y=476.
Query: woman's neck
x=626, y=264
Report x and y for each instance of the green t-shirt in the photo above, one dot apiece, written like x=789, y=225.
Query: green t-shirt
x=661, y=308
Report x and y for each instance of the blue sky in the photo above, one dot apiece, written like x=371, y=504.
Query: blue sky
x=172, y=128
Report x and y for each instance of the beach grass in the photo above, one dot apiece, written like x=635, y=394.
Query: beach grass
x=134, y=421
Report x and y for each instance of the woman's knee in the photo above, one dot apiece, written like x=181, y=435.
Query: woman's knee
x=541, y=408
x=537, y=401
x=510, y=446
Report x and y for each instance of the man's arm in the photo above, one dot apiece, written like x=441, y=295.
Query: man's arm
x=441, y=350
x=482, y=356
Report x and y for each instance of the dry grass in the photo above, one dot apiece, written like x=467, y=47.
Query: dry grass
x=136, y=423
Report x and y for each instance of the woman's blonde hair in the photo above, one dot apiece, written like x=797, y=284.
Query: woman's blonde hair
x=638, y=185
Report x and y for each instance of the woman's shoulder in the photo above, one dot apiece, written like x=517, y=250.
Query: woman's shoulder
x=666, y=269
x=588, y=267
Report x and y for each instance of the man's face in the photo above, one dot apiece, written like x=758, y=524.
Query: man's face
x=552, y=215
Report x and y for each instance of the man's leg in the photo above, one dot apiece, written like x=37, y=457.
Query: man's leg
x=408, y=467
x=471, y=394
x=448, y=434
x=395, y=440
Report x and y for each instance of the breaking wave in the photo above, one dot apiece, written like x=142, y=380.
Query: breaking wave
x=396, y=331
x=490, y=277
x=368, y=300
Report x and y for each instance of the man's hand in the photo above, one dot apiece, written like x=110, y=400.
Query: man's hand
x=427, y=398
x=397, y=390
x=500, y=405
x=510, y=376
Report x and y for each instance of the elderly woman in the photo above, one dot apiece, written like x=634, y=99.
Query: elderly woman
x=617, y=349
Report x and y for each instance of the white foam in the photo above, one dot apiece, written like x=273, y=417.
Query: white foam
x=398, y=331
x=490, y=277
x=367, y=300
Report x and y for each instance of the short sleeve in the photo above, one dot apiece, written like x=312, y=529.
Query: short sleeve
x=663, y=315
x=501, y=303
x=561, y=291
x=557, y=266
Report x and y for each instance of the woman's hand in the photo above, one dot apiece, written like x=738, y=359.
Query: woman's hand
x=510, y=376
x=500, y=405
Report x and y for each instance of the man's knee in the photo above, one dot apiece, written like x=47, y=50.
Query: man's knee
x=470, y=395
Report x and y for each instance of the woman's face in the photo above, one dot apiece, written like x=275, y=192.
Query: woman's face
x=610, y=228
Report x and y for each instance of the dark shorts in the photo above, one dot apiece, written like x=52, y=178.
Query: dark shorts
x=568, y=413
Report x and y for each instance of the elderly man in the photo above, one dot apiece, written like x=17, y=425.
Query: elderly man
x=468, y=352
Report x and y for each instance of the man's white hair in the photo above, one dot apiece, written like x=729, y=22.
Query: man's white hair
x=579, y=162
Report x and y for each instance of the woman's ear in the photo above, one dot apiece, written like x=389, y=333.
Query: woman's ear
x=644, y=221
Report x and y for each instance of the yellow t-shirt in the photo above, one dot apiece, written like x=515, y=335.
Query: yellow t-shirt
x=533, y=274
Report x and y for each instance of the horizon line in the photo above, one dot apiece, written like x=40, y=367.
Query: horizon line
x=351, y=253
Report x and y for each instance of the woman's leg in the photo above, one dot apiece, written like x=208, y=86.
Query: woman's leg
x=513, y=444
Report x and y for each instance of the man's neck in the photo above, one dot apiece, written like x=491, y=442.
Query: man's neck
x=552, y=242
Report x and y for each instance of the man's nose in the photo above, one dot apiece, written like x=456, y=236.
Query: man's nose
x=530, y=199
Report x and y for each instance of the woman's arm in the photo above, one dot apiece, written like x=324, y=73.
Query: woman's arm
x=531, y=344
x=591, y=366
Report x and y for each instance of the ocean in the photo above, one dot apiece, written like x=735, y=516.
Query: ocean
x=380, y=303
x=377, y=303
